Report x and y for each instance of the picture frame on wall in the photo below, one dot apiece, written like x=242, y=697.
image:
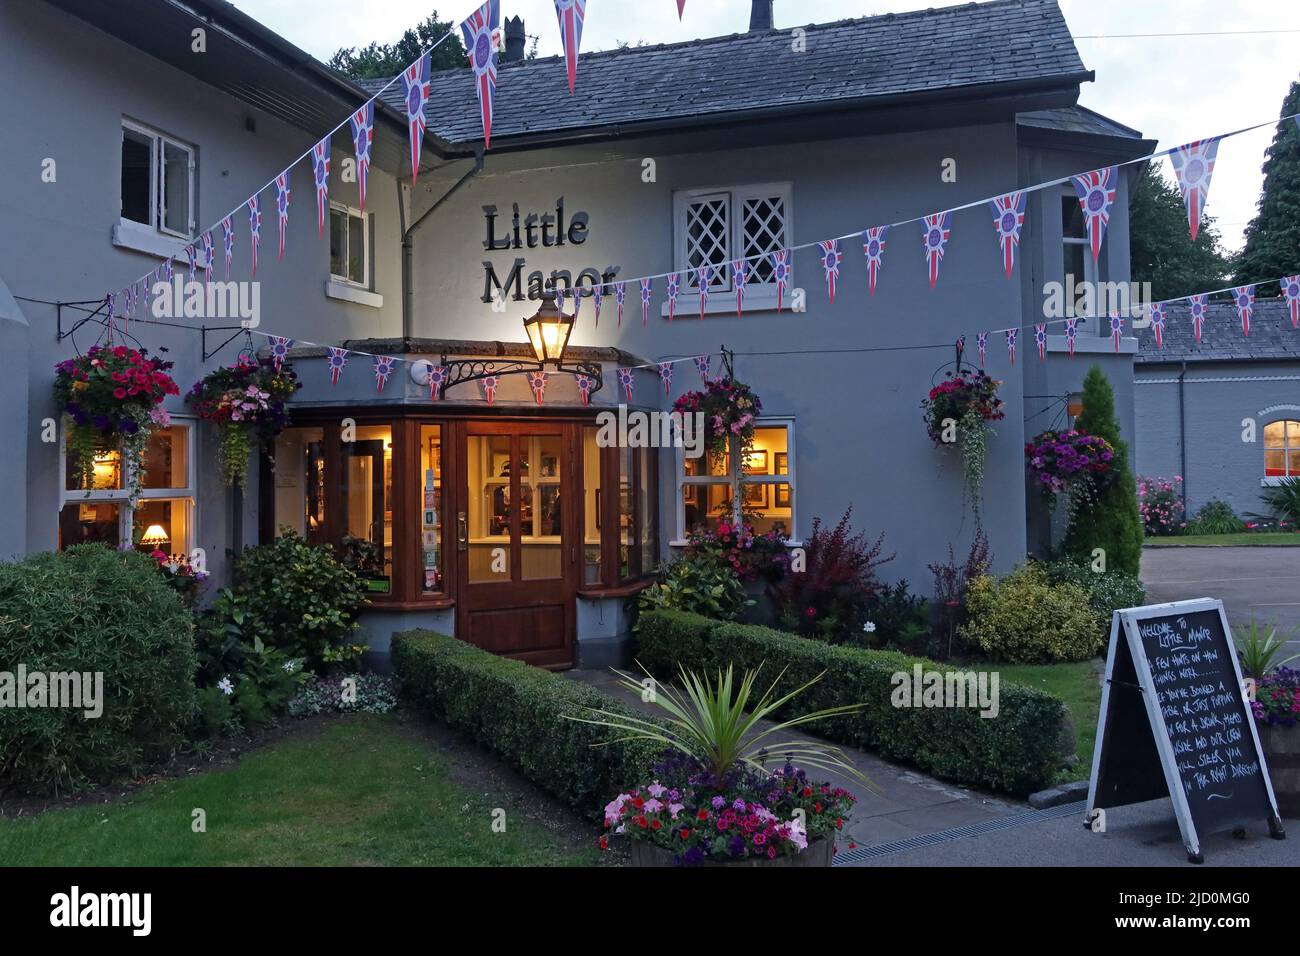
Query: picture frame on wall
x=781, y=496
x=755, y=495
x=756, y=462
x=780, y=463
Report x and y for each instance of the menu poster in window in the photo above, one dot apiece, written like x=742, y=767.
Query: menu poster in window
x=1175, y=722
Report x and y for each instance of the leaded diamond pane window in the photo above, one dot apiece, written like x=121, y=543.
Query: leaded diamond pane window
x=708, y=233
x=763, y=231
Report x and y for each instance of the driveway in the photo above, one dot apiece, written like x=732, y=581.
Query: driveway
x=1262, y=581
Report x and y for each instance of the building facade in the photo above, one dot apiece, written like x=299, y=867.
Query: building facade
x=504, y=519
x=1222, y=413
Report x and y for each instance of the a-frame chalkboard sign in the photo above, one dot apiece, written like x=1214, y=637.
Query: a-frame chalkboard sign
x=1175, y=721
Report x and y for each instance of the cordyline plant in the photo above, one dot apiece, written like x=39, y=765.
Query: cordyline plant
x=716, y=725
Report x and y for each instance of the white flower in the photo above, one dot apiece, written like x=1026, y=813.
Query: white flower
x=798, y=836
x=869, y=627
x=225, y=686
x=288, y=667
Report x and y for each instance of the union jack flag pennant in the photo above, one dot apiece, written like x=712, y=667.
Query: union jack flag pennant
x=282, y=205
x=363, y=137
x=338, y=357
x=1011, y=344
x=559, y=299
x=537, y=382
x=597, y=296
x=1156, y=313
x=620, y=294
x=739, y=273
x=383, y=369
x=703, y=276
x=982, y=343
x=645, y=300
x=681, y=5
x=571, y=14
x=1040, y=338
x=1291, y=289
x=674, y=286
x=1193, y=167
x=437, y=379
x=1071, y=333
x=1008, y=218
x=961, y=346
x=129, y=298
x=873, y=247
x=702, y=366
x=208, y=257
x=666, y=376
x=110, y=301
x=490, y=384
x=478, y=29
x=782, y=273
x=577, y=302
x=1244, y=298
x=320, y=170
x=228, y=242
x=1198, y=305
x=191, y=257
x=584, y=387
x=831, y=258
x=167, y=270
x=415, y=94
x=254, y=228
x=1116, y=328
x=934, y=235
x=1096, y=191
x=626, y=379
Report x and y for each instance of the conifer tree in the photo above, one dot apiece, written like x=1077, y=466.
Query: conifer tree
x=1272, y=245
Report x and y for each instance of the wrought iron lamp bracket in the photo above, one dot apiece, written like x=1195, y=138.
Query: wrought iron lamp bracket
x=460, y=371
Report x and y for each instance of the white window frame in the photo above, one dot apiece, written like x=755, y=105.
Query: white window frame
x=1273, y=481
x=758, y=295
x=735, y=479
x=1087, y=323
x=157, y=183
x=351, y=211
x=126, y=515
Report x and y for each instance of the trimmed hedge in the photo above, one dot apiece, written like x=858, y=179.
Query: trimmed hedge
x=518, y=713
x=1018, y=751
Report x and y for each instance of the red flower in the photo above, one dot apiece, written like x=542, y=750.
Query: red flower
x=685, y=834
x=702, y=815
x=656, y=825
x=642, y=822
x=604, y=843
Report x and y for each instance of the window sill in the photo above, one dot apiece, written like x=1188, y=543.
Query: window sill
x=1274, y=481
x=428, y=604
x=347, y=292
x=138, y=237
x=759, y=299
x=623, y=590
x=679, y=543
x=1086, y=344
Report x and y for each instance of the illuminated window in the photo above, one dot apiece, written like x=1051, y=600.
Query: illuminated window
x=1282, y=449
x=760, y=492
x=432, y=569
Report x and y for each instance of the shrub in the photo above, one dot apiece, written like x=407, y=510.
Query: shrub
x=697, y=583
x=1160, y=502
x=1215, y=517
x=94, y=610
x=1018, y=751
x=897, y=619
x=1023, y=619
x=1110, y=520
x=1108, y=591
x=519, y=712
x=952, y=583
x=1283, y=501
x=257, y=681
x=296, y=597
x=830, y=597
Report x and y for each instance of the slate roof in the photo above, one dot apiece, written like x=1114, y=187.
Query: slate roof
x=1004, y=42
x=1271, y=337
x=1076, y=119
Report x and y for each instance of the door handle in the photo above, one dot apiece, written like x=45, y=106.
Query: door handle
x=462, y=532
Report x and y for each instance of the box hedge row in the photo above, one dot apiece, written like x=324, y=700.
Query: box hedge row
x=518, y=712
x=1018, y=751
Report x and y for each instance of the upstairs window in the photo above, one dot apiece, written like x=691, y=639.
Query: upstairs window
x=349, y=245
x=157, y=180
x=1079, y=269
x=714, y=227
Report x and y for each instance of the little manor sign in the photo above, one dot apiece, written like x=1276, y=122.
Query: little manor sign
x=532, y=230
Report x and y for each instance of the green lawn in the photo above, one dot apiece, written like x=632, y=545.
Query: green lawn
x=1248, y=539
x=1077, y=685
x=362, y=792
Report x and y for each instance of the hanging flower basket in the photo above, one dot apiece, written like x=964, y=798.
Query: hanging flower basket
x=730, y=409
x=1072, y=461
x=246, y=401
x=957, y=414
x=113, y=398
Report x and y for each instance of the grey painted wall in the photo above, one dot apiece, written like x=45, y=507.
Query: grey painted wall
x=1219, y=399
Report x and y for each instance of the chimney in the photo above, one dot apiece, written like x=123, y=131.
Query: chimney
x=760, y=17
x=514, y=40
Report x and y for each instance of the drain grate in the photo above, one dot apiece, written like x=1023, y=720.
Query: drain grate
x=864, y=853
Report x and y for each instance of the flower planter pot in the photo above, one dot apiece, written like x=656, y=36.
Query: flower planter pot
x=1282, y=752
x=818, y=854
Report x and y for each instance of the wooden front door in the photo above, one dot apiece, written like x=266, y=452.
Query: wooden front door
x=517, y=536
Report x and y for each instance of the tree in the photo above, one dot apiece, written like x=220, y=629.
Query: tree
x=1273, y=237
x=384, y=60
x=1161, y=245
x=1111, y=520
